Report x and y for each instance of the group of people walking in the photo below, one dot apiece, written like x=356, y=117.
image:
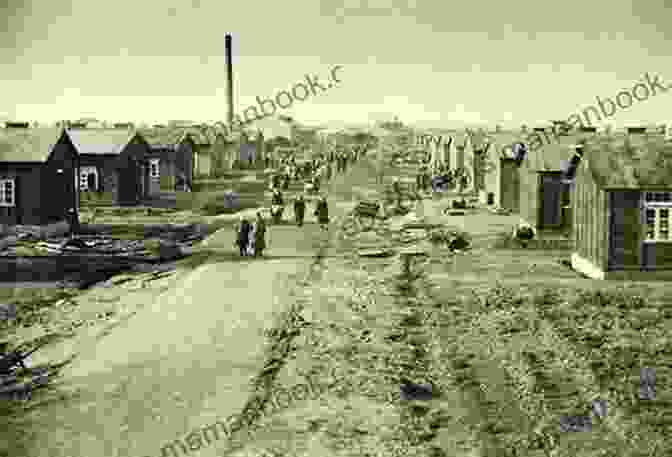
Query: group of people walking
x=251, y=240
x=319, y=167
x=251, y=237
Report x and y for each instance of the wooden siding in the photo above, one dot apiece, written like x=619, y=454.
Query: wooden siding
x=42, y=195
x=128, y=183
x=657, y=256
x=204, y=166
x=529, y=194
x=590, y=214
x=625, y=229
x=58, y=189
x=509, y=185
x=550, y=194
x=122, y=174
x=184, y=162
x=27, y=189
x=107, y=168
x=477, y=170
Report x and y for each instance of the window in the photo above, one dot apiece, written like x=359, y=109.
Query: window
x=658, y=206
x=154, y=168
x=658, y=197
x=7, y=192
x=88, y=179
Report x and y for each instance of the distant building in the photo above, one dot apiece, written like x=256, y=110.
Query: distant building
x=502, y=183
x=545, y=201
x=171, y=159
x=622, y=208
x=37, y=177
x=113, y=162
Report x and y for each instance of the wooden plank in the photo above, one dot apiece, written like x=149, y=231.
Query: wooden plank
x=624, y=229
x=509, y=185
x=551, y=191
x=577, y=203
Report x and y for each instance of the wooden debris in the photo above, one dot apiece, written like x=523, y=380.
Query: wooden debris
x=375, y=253
x=9, y=361
x=7, y=311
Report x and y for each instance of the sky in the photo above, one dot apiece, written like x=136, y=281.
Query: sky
x=432, y=63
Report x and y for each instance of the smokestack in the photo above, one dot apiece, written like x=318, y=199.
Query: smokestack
x=229, y=79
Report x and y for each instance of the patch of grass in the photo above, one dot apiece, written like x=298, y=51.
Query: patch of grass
x=95, y=199
x=31, y=302
x=561, y=348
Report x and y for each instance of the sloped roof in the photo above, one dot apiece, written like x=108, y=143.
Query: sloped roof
x=502, y=143
x=28, y=145
x=100, y=141
x=200, y=136
x=632, y=163
x=162, y=137
x=553, y=152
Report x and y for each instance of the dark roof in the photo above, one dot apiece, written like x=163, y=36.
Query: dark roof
x=203, y=137
x=100, y=141
x=162, y=137
x=550, y=155
x=633, y=163
x=28, y=145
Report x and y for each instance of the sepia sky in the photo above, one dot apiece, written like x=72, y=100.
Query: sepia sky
x=436, y=63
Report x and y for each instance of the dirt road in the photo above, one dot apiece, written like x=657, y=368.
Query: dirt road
x=185, y=360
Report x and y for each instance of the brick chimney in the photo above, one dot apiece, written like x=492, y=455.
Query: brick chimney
x=229, y=79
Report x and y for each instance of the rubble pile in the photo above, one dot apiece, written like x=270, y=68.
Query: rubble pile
x=17, y=381
x=26, y=244
x=374, y=236
x=453, y=239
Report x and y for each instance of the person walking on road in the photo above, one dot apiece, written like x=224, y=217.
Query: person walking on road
x=322, y=212
x=328, y=172
x=243, y=238
x=277, y=199
x=299, y=209
x=259, y=237
x=396, y=191
x=251, y=243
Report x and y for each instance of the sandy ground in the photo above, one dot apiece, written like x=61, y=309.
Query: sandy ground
x=191, y=350
x=175, y=354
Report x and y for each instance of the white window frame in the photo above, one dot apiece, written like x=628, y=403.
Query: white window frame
x=3, y=194
x=658, y=207
x=84, y=177
x=154, y=163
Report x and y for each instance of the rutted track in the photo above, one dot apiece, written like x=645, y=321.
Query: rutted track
x=281, y=336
